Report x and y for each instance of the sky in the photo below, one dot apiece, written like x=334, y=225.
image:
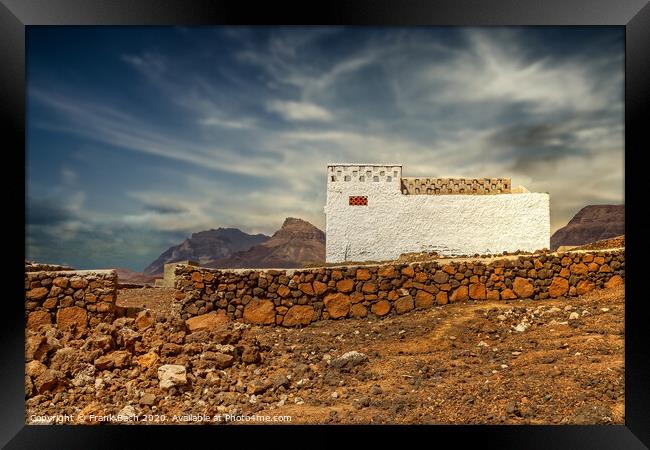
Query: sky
x=139, y=136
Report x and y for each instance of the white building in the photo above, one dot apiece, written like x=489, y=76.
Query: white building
x=375, y=214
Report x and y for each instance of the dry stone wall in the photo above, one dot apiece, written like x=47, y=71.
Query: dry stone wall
x=73, y=300
x=299, y=297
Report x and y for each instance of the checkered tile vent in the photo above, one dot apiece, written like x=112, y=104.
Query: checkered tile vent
x=356, y=200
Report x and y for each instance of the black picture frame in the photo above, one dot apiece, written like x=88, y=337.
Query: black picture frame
x=634, y=15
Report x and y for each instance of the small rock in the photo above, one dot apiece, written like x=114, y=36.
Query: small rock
x=574, y=316
x=148, y=399
x=49, y=380
x=171, y=375
x=349, y=359
x=212, y=379
x=219, y=360
x=251, y=355
x=128, y=411
x=144, y=320
x=258, y=387
x=521, y=327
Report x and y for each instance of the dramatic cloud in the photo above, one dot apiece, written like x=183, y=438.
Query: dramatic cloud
x=138, y=137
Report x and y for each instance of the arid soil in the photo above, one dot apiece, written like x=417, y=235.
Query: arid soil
x=468, y=364
x=158, y=300
x=502, y=362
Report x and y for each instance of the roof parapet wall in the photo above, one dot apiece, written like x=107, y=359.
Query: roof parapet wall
x=455, y=186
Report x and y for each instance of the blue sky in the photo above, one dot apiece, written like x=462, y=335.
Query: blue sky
x=139, y=136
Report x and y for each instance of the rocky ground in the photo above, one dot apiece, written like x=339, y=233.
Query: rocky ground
x=494, y=362
x=616, y=242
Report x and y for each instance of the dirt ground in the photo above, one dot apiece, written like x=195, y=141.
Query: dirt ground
x=158, y=300
x=503, y=362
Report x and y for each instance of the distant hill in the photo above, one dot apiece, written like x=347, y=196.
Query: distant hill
x=126, y=276
x=206, y=246
x=592, y=223
x=295, y=244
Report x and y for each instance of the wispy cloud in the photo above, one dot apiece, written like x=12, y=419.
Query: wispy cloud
x=238, y=127
x=299, y=111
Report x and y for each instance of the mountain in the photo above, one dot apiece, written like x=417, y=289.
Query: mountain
x=126, y=276
x=207, y=246
x=592, y=223
x=295, y=244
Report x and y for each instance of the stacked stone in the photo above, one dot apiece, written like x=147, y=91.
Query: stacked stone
x=455, y=186
x=299, y=297
x=71, y=299
x=31, y=266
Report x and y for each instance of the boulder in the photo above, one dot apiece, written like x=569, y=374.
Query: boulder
x=61, y=282
x=338, y=305
x=523, y=288
x=283, y=291
x=386, y=271
x=369, y=288
x=210, y=321
x=460, y=294
x=261, y=312
x=72, y=318
x=477, y=291
x=423, y=299
x=358, y=311
x=319, y=288
x=306, y=288
x=38, y=293
x=381, y=308
x=408, y=271
x=585, y=286
x=144, y=320
x=404, y=304
x=363, y=274
x=559, y=286
x=579, y=269
x=38, y=318
x=298, y=315
x=614, y=281
x=441, y=277
x=346, y=285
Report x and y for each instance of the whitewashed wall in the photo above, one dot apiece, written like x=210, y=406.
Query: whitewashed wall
x=394, y=223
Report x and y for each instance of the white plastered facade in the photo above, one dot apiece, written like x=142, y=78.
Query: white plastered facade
x=393, y=223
